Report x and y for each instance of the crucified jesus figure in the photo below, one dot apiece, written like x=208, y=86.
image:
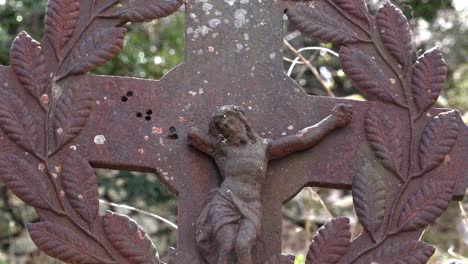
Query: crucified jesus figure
x=230, y=222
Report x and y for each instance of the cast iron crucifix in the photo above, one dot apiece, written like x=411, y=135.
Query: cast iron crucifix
x=403, y=159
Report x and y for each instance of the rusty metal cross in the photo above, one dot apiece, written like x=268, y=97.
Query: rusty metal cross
x=233, y=55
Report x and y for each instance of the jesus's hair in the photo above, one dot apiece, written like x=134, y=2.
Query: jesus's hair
x=235, y=111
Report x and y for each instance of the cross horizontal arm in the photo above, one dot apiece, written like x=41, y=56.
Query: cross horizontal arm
x=134, y=143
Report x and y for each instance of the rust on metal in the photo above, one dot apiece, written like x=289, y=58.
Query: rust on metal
x=404, y=160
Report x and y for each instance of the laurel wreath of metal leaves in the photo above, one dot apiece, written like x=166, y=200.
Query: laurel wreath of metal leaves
x=376, y=54
x=74, y=232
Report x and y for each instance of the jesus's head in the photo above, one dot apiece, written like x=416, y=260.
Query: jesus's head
x=231, y=126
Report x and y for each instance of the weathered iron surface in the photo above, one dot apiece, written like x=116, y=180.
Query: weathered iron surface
x=404, y=160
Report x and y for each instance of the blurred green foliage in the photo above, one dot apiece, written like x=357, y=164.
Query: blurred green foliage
x=151, y=49
x=426, y=9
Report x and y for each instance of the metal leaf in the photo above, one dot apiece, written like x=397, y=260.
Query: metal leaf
x=73, y=111
x=23, y=180
x=62, y=243
x=426, y=205
x=143, y=10
x=369, y=198
x=28, y=63
x=130, y=239
x=316, y=24
x=408, y=252
x=61, y=21
x=331, y=242
x=81, y=187
x=94, y=50
x=357, y=8
x=368, y=76
x=438, y=139
x=384, y=137
x=17, y=121
x=395, y=32
x=429, y=76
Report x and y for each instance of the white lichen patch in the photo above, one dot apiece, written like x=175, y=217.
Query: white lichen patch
x=240, y=18
x=272, y=55
x=207, y=7
x=214, y=22
x=230, y=2
x=99, y=140
x=41, y=167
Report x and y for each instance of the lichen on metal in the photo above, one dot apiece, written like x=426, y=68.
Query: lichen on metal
x=404, y=160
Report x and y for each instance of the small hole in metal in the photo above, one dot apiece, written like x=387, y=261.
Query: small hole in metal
x=129, y=93
x=172, y=133
x=149, y=112
x=139, y=115
x=147, y=118
x=124, y=99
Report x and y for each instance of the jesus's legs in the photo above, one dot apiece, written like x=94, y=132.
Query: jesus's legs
x=245, y=241
x=225, y=239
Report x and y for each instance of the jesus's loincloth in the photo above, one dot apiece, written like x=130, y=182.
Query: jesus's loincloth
x=223, y=208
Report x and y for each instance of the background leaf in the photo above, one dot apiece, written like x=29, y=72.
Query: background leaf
x=395, y=32
x=411, y=252
x=28, y=63
x=62, y=243
x=429, y=76
x=317, y=25
x=426, y=205
x=130, y=239
x=331, y=242
x=81, y=187
x=357, y=8
x=17, y=121
x=23, y=180
x=94, y=50
x=143, y=10
x=368, y=76
x=369, y=198
x=384, y=137
x=438, y=139
x=61, y=21
x=73, y=110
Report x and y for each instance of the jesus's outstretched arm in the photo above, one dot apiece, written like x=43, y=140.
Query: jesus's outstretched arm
x=310, y=136
x=200, y=141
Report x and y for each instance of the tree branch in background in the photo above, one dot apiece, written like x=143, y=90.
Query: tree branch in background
x=311, y=68
x=160, y=218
